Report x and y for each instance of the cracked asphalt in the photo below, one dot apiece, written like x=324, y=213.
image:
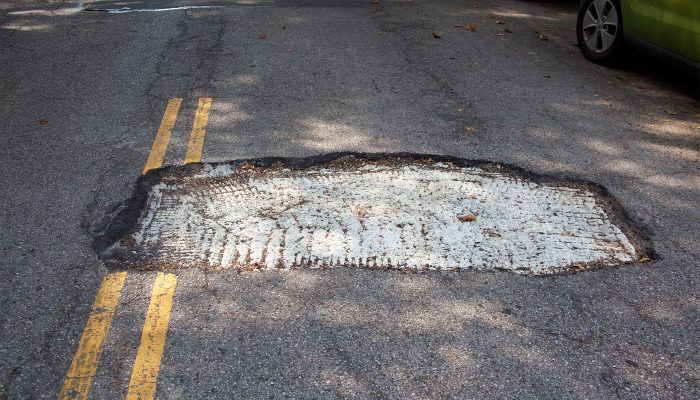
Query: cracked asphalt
x=82, y=94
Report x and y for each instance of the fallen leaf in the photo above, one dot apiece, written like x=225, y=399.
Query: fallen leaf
x=625, y=146
x=542, y=37
x=508, y=30
x=499, y=22
x=473, y=26
x=547, y=76
x=499, y=34
x=460, y=109
x=467, y=218
x=437, y=35
x=457, y=25
x=470, y=129
x=263, y=36
x=43, y=122
x=671, y=112
x=362, y=210
x=453, y=58
x=290, y=50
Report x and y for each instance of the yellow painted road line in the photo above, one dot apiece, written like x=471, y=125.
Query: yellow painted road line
x=82, y=368
x=160, y=143
x=142, y=385
x=196, y=144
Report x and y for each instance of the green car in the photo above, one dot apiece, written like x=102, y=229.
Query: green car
x=669, y=28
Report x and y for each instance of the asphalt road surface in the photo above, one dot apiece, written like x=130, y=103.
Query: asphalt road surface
x=83, y=93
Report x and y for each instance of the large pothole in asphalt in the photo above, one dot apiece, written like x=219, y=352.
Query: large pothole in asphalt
x=404, y=212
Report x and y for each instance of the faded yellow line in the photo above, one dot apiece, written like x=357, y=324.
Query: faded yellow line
x=160, y=143
x=196, y=144
x=142, y=385
x=82, y=368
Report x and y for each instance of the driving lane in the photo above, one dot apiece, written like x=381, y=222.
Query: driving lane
x=84, y=94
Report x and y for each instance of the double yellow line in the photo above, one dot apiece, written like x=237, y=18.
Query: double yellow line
x=144, y=374
x=196, y=143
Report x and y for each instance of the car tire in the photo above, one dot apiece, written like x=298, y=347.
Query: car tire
x=599, y=30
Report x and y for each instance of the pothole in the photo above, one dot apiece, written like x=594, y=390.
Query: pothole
x=407, y=212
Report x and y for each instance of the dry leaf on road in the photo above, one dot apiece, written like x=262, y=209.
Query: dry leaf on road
x=362, y=211
x=437, y=35
x=467, y=218
x=473, y=26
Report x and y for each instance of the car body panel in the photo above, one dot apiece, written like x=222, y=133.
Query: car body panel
x=673, y=25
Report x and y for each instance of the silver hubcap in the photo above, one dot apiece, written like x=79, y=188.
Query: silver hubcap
x=600, y=25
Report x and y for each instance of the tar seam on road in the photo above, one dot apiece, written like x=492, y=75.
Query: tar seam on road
x=87, y=356
x=147, y=364
x=125, y=10
x=160, y=143
x=196, y=143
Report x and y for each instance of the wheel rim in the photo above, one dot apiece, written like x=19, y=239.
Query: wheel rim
x=600, y=25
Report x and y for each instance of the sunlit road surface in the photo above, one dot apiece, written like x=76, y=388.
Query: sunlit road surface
x=93, y=95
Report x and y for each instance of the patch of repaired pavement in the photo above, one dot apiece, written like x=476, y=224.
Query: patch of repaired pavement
x=407, y=212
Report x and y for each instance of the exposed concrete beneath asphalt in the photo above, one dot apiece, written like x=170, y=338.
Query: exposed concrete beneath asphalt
x=408, y=212
x=356, y=79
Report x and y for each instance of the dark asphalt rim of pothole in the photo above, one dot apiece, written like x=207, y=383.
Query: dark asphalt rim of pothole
x=125, y=221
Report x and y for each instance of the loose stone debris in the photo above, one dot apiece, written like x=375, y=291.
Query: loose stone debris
x=412, y=213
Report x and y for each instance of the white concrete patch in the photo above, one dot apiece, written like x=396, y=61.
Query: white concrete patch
x=403, y=217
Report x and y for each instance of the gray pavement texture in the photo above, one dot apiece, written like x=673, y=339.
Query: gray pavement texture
x=344, y=76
